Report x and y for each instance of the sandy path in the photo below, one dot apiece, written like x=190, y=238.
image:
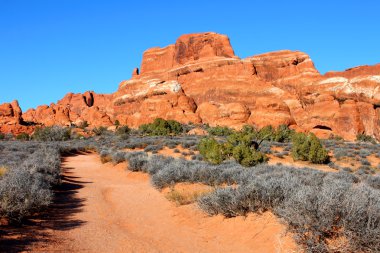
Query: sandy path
x=122, y=212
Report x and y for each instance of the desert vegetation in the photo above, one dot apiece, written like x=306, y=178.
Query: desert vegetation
x=327, y=211
x=29, y=171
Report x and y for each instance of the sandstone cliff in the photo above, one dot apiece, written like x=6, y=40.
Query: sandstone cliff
x=199, y=79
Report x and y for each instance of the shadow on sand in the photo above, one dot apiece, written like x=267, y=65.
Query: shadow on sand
x=59, y=216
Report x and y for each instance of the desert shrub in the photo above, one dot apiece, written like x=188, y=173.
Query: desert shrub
x=137, y=161
x=2, y=136
x=336, y=138
x=280, y=134
x=374, y=181
x=308, y=148
x=118, y=157
x=220, y=131
x=339, y=153
x=99, y=130
x=198, y=157
x=365, y=162
x=266, y=133
x=318, y=206
x=105, y=156
x=211, y=150
x=346, y=169
x=188, y=144
x=238, y=145
x=22, y=193
x=365, y=138
x=334, y=166
x=363, y=153
x=161, y=127
x=123, y=132
x=45, y=161
x=153, y=148
x=171, y=145
x=180, y=170
x=222, y=201
x=156, y=163
x=25, y=187
x=283, y=134
x=365, y=169
x=22, y=137
x=247, y=156
x=54, y=133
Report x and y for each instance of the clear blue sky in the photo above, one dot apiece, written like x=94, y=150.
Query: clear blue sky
x=49, y=48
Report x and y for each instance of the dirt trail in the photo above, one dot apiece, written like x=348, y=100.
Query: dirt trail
x=122, y=212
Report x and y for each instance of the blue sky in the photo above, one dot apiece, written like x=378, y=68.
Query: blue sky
x=51, y=47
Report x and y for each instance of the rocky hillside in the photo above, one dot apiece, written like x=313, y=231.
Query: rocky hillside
x=199, y=79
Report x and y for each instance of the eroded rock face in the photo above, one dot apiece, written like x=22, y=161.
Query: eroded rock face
x=11, y=120
x=269, y=89
x=200, y=80
x=10, y=113
x=93, y=108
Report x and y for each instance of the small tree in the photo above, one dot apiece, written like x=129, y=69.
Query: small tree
x=211, y=150
x=161, y=127
x=248, y=156
x=220, y=131
x=308, y=148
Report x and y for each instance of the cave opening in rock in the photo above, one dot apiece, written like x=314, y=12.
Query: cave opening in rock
x=322, y=127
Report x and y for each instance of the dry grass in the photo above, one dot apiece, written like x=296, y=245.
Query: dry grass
x=186, y=196
x=3, y=170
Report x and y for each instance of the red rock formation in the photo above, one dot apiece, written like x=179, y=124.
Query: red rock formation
x=200, y=80
x=74, y=109
x=10, y=119
x=10, y=113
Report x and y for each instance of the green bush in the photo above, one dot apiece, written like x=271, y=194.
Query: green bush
x=268, y=133
x=220, y=131
x=365, y=138
x=280, y=134
x=2, y=136
x=308, y=148
x=248, y=156
x=22, y=137
x=54, y=133
x=240, y=149
x=211, y=150
x=161, y=127
x=283, y=134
